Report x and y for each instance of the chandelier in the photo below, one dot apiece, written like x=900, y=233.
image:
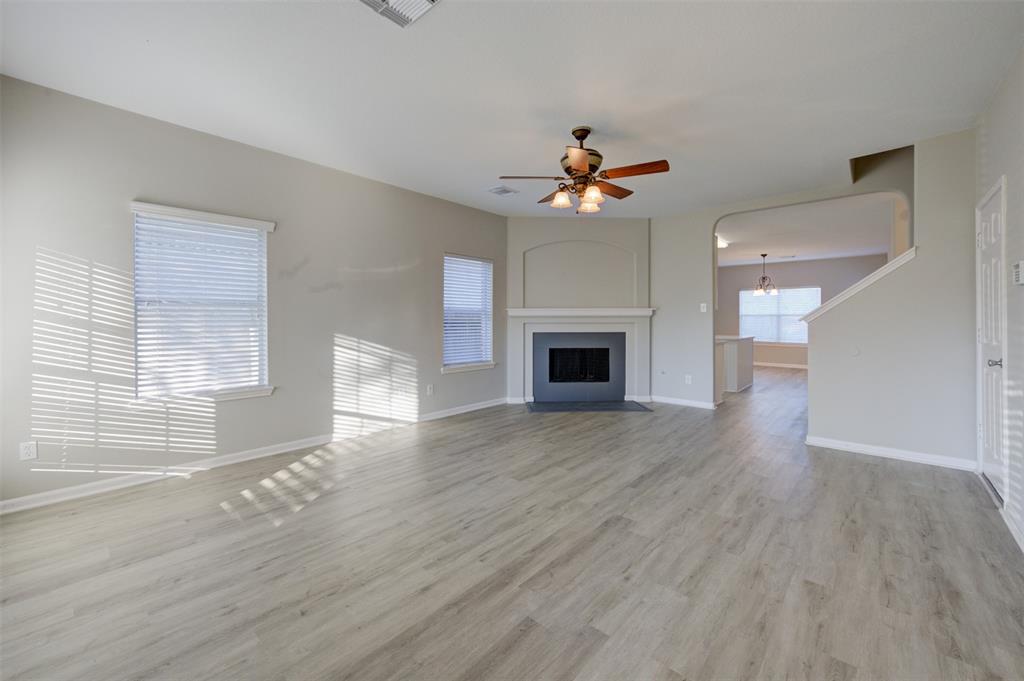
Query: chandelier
x=765, y=285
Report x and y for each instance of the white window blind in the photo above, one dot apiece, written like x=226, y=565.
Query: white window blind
x=468, y=310
x=200, y=305
x=776, y=319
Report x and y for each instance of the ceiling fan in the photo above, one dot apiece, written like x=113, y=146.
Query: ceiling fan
x=586, y=180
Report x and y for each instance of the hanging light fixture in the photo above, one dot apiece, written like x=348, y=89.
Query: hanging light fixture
x=588, y=207
x=593, y=195
x=765, y=285
x=561, y=200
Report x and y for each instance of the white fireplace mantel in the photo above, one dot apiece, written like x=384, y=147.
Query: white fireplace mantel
x=523, y=322
x=580, y=311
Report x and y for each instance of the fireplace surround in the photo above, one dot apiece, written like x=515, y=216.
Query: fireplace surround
x=579, y=366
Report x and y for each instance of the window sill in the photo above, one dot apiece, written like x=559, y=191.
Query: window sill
x=459, y=368
x=240, y=393
x=215, y=396
x=776, y=344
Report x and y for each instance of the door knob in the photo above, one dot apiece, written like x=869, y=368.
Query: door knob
x=995, y=362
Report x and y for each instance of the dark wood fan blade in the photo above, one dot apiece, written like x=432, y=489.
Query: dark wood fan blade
x=530, y=177
x=613, y=190
x=638, y=169
x=579, y=159
x=549, y=198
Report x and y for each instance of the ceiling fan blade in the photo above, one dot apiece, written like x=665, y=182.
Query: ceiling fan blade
x=531, y=177
x=549, y=198
x=613, y=190
x=638, y=169
x=579, y=159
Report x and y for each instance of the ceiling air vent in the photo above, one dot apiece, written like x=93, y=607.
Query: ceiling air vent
x=502, y=190
x=402, y=12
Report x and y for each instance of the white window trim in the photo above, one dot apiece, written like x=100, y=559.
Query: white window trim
x=467, y=366
x=473, y=366
x=156, y=210
x=226, y=395
x=198, y=216
x=242, y=393
x=780, y=344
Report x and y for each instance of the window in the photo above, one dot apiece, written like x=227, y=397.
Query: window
x=200, y=303
x=776, y=319
x=468, y=312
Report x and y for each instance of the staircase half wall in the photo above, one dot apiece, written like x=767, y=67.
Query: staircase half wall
x=891, y=364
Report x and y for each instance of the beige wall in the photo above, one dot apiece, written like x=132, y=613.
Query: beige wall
x=893, y=366
x=833, y=276
x=1000, y=151
x=682, y=278
x=901, y=236
x=353, y=264
x=578, y=262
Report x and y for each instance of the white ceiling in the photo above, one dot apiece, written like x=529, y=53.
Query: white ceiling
x=743, y=99
x=836, y=228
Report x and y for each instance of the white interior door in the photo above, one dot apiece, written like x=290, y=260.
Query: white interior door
x=990, y=217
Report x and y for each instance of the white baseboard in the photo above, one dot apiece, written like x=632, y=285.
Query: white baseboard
x=683, y=403
x=1017, y=532
x=260, y=452
x=638, y=398
x=893, y=453
x=88, y=489
x=780, y=366
x=462, y=409
x=515, y=400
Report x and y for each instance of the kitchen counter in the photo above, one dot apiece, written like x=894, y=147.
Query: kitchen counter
x=737, y=361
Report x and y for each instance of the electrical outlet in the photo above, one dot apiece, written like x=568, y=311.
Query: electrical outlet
x=688, y=379
x=703, y=307
x=28, y=451
x=430, y=389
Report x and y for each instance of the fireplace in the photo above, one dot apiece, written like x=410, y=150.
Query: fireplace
x=579, y=367
x=633, y=324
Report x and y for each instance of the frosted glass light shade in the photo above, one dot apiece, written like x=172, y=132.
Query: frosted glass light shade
x=561, y=200
x=593, y=195
x=588, y=207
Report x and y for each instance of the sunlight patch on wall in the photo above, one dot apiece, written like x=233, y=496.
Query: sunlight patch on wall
x=374, y=387
x=83, y=381
x=1014, y=416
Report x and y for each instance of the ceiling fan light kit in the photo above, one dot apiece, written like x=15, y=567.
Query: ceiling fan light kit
x=585, y=179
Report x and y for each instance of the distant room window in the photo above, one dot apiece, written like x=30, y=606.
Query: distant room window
x=776, y=319
x=200, y=303
x=468, y=312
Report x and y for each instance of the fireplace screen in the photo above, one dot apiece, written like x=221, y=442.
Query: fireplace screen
x=578, y=365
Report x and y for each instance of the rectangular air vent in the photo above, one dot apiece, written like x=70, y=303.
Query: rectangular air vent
x=402, y=12
x=502, y=190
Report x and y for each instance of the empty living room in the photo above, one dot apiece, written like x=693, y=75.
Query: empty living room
x=540, y=340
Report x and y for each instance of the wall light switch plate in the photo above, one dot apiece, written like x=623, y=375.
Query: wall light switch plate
x=1017, y=273
x=703, y=307
x=688, y=379
x=430, y=389
x=28, y=451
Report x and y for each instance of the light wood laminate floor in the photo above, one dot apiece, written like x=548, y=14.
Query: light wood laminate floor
x=675, y=544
